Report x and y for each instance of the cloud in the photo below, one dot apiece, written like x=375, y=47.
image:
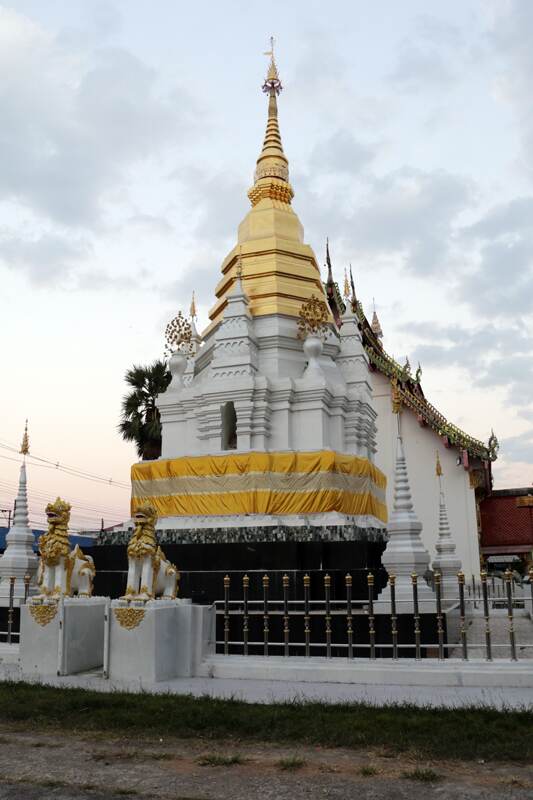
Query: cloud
x=493, y=356
x=412, y=213
x=45, y=259
x=519, y=448
x=431, y=58
x=511, y=36
x=75, y=121
x=502, y=283
x=341, y=153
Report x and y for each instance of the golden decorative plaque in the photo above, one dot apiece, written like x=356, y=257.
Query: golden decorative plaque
x=43, y=614
x=129, y=617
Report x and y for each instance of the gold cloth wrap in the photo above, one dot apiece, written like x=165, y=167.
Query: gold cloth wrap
x=261, y=483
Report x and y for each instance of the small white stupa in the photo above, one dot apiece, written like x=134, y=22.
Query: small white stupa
x=405, y=554
x=19, y=558
x=446, y=561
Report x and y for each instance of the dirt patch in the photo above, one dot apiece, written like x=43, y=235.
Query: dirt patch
x=51, y=764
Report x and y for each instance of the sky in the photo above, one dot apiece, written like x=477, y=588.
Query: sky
x=128, y=137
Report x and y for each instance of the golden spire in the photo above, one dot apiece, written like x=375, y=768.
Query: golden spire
x=192, y=310
x=281, y=270
x=271, y=177
x=438, y=467
x=25, y=446
x=346, y=285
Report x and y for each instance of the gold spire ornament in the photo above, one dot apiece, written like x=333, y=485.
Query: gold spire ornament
x=25, y=446
x=314, y=318
x=178, y=335
x=438, y=467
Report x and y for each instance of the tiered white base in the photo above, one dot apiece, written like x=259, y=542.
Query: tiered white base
x=62, y=638
x=158, y=640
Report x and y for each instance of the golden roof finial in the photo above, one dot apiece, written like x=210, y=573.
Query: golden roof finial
x=25, y=446
x=272, y=80
x=346, y=285
x=192, y=310
x=438, y=467
x=271, y=179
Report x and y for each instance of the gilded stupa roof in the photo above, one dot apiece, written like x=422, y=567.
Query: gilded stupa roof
x=279, y=271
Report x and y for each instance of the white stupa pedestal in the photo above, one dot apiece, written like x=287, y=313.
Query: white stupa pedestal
x=64, y=637
x=158, y=640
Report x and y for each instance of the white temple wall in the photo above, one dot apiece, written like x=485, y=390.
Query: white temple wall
x=421, y=445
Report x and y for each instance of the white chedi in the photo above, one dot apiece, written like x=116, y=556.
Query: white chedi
x=19, y=559
x=446, y=562
x=405, y=554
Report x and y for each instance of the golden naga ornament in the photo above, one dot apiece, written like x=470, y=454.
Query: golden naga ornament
x=313, y=318
x=178, y=335
x=130, y=617
x=396, y=397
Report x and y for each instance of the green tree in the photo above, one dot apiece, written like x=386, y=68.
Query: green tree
x=140, y=421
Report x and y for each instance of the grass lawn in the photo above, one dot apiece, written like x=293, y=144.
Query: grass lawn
x=467, y=733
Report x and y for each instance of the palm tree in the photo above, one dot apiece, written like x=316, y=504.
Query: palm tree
x=140, y=421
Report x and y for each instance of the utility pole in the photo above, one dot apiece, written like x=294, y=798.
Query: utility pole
x=8, y=512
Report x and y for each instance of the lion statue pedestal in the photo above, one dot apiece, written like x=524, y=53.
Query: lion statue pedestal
x=153, y=636
x=62, y=627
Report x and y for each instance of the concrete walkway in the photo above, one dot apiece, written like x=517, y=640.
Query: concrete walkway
x=275, y=691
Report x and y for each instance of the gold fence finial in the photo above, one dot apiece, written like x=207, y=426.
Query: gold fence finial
x=25, y=446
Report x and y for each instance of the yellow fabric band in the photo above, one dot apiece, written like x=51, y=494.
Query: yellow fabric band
x=261, y=483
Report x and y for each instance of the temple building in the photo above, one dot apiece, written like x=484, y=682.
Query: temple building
x=466, y=461
x=281, y=420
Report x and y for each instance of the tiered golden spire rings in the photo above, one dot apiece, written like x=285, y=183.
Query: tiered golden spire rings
x=25, y=446
x=313, y=318
x=178, y=334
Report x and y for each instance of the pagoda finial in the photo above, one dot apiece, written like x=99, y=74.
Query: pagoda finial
x=346, y=291
x=375, y=324
x=192, y=311
x=352, y=284
x=271, y=179
x=25, y=446
x=328, y=263
x=438, y=467
x=272, y=81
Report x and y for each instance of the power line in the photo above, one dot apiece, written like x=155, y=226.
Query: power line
x=69, y=470
x=41, y=495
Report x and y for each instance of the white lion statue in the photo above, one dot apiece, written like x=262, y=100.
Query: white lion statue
x=62, y=571
x=150, y=574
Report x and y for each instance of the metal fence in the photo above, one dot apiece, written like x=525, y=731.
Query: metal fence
x=12, y=633
x=463, y=621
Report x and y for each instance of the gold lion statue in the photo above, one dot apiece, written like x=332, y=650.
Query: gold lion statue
x=150, y=574
x=62, y=572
